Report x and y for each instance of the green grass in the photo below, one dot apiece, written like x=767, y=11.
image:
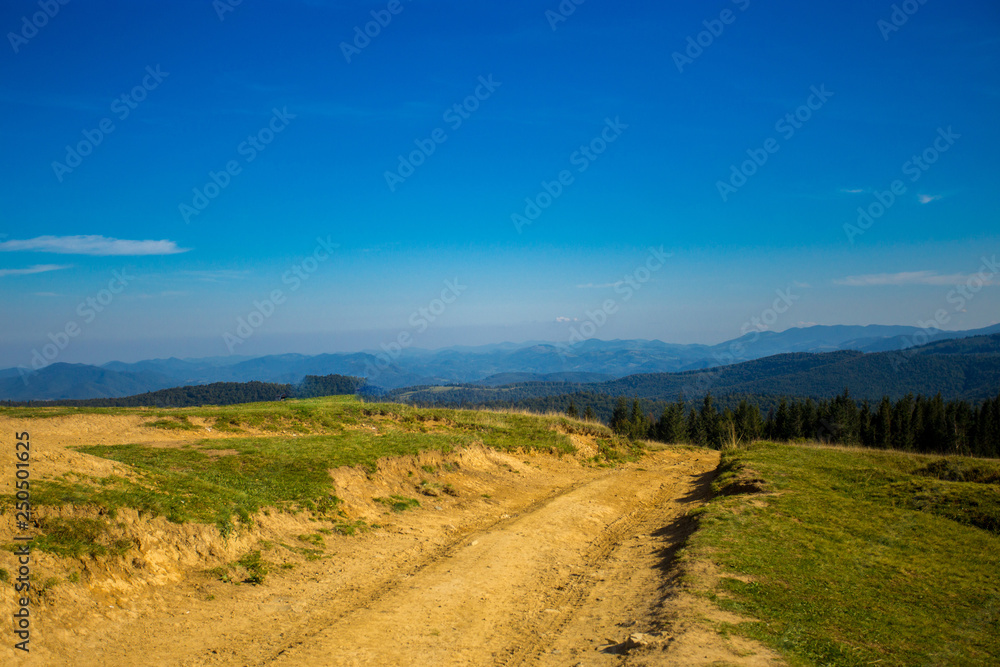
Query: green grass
x=615, y=450
x=398, y=503
x=849, y=557
x=314, y=539
x=194, y=483
x=250, y=568
x=350, y=527
x=77, y=537
x=176, y=423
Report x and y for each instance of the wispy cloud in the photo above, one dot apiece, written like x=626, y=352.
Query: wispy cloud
x=562, y=319
x=910, y=278
x=927, y=199
x=91, y=245
x=854, y=191
x=600, y=286
x=38, y=268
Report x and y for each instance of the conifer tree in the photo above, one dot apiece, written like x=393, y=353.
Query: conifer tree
x=619, y=417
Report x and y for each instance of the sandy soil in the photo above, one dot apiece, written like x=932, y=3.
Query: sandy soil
x=539, y=560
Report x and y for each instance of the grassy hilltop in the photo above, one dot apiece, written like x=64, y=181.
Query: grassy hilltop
x=284, y=464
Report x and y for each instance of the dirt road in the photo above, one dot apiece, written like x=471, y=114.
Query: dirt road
x=540, y=560
x=564, y=577
x=557, y=571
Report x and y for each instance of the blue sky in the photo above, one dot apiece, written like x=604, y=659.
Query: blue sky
x=309, y=128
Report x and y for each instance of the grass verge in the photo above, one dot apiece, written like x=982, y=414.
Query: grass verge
x=850, y=557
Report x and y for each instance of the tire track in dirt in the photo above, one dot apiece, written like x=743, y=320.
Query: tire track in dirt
x=501, y=593
x=580, y=587
x=372, y=592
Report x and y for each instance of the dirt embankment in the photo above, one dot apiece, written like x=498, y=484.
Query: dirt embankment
x=526, y=559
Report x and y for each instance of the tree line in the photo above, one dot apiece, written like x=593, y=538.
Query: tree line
x=217, y=393
x=917, y=424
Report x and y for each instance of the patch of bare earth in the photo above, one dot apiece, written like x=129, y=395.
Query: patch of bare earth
x=530, y=559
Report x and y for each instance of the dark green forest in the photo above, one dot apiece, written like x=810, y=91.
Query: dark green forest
x=915, y=424
x=219, y=393
x=911, y=423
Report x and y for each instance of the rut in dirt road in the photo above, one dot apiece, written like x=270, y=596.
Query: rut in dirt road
x=562, y=579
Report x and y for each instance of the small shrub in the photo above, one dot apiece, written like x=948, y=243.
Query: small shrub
x=221, y=573
x=46, y=586
x=315, y=540
x=351, y=527
x=255, y=567
x=953, y=470
x=180, y=422
x=250, y=568
x=398, y=503
x=429, y=488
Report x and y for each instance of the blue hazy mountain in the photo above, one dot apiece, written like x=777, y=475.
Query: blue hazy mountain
x=503, y=363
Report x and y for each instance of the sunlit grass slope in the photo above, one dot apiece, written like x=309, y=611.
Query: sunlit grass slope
x=852, y=557
x=215, y=480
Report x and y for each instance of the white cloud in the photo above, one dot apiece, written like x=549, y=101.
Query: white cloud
x=566, y=319
x=37, y=268
x=911, y=278
x=601, y=286
x=90, y=245
x=853, y=191
x=927, y=199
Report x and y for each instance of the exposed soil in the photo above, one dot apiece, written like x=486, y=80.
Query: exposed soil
x=537, y=560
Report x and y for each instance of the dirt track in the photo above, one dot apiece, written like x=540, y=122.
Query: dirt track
x=541, y=561
x=562, y=578
x=554, y=576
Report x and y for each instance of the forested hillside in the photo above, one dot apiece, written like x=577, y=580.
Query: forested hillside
x=917, y=424
x=221, y=393
x=965, y=369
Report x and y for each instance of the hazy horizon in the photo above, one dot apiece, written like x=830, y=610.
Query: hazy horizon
x=90, y=353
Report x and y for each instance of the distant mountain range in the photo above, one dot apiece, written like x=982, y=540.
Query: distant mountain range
x=588, y=363
x=961, y=369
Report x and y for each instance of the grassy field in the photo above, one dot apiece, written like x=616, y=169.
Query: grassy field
x=853, y=557
x=222, y=480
